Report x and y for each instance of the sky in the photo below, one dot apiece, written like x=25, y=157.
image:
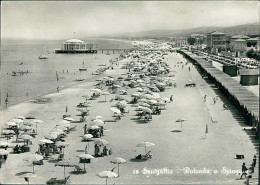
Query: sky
x=60, y=19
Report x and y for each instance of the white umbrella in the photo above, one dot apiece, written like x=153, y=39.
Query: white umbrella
x=107, y=174
x=145, y=144
x=51, y=136
x=63, y=122
x=26, y=137
x=4, y=144
x=20, y=117
x=115, y=110
x=68, y=119
x=87, y=136
x=118, y=161
x=37, y=121
x=45, y=141
x=17, y=121
x=98, y=122
x=27, y=176
x=97, y=117
x=8, y=132
x=11, y=124
x=96, y=90
x=101, y=142
x=93, y=127
x=85, y=156
x=4, y=152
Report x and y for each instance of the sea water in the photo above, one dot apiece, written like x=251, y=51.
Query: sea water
x=22, y=55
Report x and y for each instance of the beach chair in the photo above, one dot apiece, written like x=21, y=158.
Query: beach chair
x=60, y=157
x=54, y=181
x=78, y=169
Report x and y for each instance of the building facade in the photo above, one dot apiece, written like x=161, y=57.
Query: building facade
x=216, y=40
x=76, y=44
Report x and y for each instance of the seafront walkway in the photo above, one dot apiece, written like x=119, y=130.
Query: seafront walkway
x=245, y=100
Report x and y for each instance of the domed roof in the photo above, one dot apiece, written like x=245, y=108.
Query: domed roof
x=74, y=41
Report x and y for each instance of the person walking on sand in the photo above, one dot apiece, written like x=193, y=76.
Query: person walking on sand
x=6, y=101
x=254, y=161
x=86, y=149
x=171, y=98
x=205, y=97
x=214, y=100
x=85, y=129
x=224, y=106
x=58, y=89
x=244, y=169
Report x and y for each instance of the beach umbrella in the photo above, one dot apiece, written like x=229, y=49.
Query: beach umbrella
x=17, y=121
x=25, y=127
x=8, y=132
x=117, y=86
x=105, y=93
x=28, y=124
x=139, y=89
x=115, y=110
x=107, y=174
x=98, y=122
x=46, y=141
x=27, y=176
x=152, y=101
x=64, y=164
x=61, y=127
x=135, y=94
x=20, y=117
x=37, y=121
x=146, y=109
x=181, y=120
x=59, y=131
x=68, y=119
x=93, y=127
x=97, y=117
x=145, y=144
x=96, y=90
x=85, y=156
x=121, y=104
x=64, y=122
x=4, y=152
x=32, y=158
x=145, y=104
x=119, y=97
x=4, y=144
x=101, y=142
x=51, y=136
x=87, y=136
x=30, y=117
x=10, y=124
x=118, y=161
x=142, y=100
x=26, y=137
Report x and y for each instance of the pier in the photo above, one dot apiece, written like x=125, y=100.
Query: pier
x=243, y=99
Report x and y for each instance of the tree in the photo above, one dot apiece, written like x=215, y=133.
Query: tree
x=253, y=54
x=191, y=40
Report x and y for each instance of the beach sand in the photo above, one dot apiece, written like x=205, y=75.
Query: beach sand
x=173, y=150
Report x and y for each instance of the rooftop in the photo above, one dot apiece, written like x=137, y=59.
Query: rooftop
x=216, y=33
x=240, y=37
x=249, y=72
x=74, y=41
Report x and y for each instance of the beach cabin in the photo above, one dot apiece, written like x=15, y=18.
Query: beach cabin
x=249, y=76
x=230, y=70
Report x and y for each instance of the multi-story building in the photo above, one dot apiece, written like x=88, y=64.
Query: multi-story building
x=253, y=43
x=216, y=40
x=180, y=42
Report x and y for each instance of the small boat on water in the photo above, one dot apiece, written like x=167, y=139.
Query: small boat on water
x=42, y=56
x=83, y=69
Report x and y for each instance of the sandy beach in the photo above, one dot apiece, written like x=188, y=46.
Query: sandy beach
x=176, y=155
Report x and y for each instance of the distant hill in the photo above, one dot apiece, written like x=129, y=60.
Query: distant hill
x=248, y=29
